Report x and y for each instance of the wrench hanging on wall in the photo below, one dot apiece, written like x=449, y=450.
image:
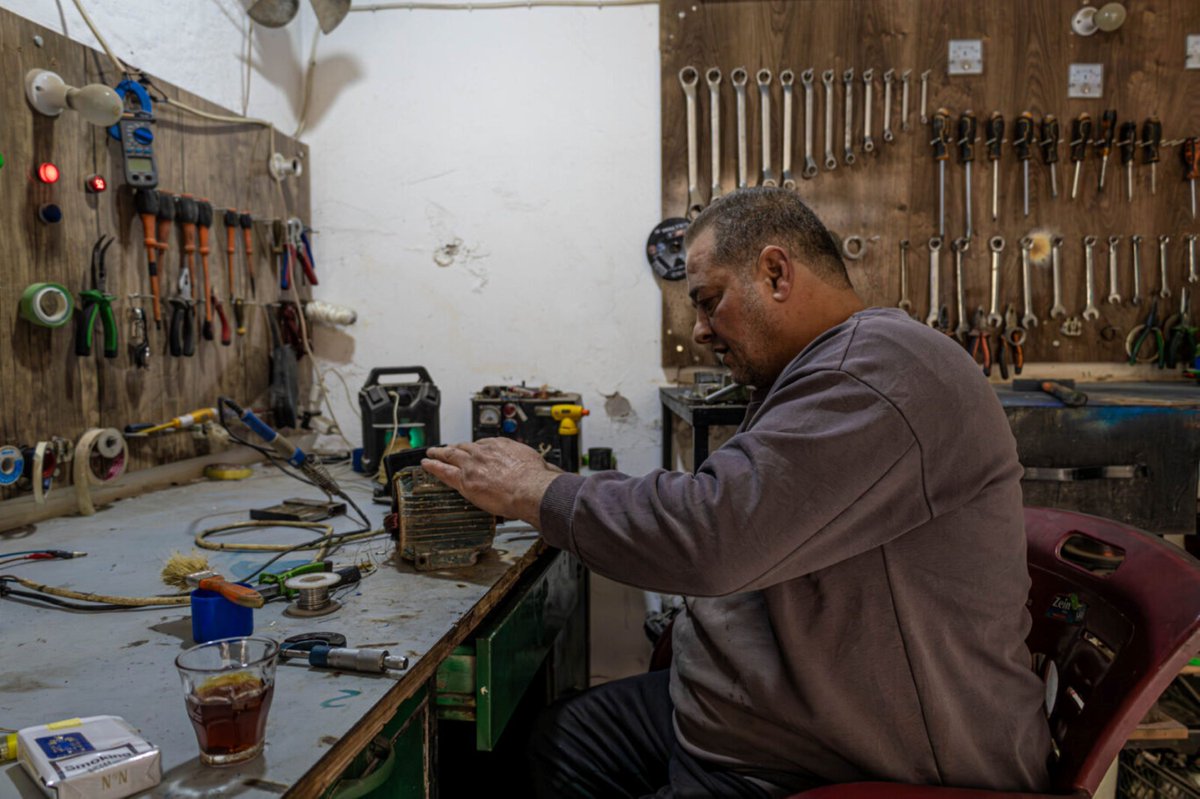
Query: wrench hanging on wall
x=848, y=133
x=960, y=246
x=1090, y=311
x=688, y=78
x=1058, y=310
x=827, y=82
x=935, y=316
x=810, y=161
x=764, y=103
x=905, y=84
x=905, y=303
x=738, y=78
x=1029, y=319
x=888, y=77
x=787, y=79
x=868, y=78
x=713, y=76
x=1136, y=241
x=996, y=245
x=1114, y=292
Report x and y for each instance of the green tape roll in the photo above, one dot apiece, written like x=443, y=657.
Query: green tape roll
x=46, y=304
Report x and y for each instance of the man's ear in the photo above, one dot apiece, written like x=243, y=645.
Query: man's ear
x=777, y=269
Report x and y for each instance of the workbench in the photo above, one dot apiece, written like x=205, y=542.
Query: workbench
x=476, y=638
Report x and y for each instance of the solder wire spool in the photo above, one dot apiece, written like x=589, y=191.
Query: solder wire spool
x=12, y=464
x=314, y=594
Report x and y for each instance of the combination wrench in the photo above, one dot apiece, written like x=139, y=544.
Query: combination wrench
x=786, y=79
x=827, y=80
x=925, y=97
x=1058, y=310
x=935, y=246
x=905, y=303
x=688, y=78
x=888, y=77
x=1114, y=289
x=996, y=245
x=1089, y=275
x=738, y=78
x=1029, y=319
x=713, y=76
x=848, y=134
x=1136, y=241
x=1164, y=289
x=905, y=80
x=810, y=163
x=1192, y=277
x=764, y=103
x=868, y=78
x=960, y=246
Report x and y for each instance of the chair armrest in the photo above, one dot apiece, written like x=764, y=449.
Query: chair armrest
x=886, y=790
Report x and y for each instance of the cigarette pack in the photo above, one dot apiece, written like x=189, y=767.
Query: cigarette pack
x=98, y=757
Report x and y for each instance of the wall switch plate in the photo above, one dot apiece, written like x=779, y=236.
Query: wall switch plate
x=1086, y=81
x=1193, y=52
x=965, y=57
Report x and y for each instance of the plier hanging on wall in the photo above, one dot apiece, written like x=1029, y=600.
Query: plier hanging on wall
x=1146, y=330
x=296, y=246
x=978, y=343
x=96, y=301
x=183, y=317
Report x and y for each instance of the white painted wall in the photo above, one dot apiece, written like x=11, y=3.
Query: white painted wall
x=199, y=46
x=528, y=139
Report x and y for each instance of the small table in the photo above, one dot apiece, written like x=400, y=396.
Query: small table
x=678, y=401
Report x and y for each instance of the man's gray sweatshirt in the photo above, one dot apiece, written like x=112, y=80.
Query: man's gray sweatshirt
x=854, y=566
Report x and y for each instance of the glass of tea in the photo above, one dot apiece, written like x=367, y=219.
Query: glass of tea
x=228, y=684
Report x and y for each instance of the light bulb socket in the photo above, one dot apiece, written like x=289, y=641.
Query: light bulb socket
x=46, y=92
x=282, y=167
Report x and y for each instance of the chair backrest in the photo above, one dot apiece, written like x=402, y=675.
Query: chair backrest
x=1107, y=641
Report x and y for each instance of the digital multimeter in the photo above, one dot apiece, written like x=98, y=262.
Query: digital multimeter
x=137, y=140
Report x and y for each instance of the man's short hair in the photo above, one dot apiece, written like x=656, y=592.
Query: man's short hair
x=747, y=220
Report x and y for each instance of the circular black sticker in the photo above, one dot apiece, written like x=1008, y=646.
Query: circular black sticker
x=664, y=249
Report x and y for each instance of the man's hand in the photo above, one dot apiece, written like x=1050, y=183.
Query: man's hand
x=498, y=475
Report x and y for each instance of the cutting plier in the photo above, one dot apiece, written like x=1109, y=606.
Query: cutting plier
x=296, y=251
x=978, y=343
x=1136, y=340
x=96, y=301
x=1014, y=341
x=183, y=317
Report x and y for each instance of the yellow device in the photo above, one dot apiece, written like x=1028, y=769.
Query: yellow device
x=568, y=417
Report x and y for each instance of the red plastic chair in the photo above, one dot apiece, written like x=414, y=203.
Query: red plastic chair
x=1115, y=649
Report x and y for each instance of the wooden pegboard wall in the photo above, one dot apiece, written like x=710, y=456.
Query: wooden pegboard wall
x=892, y=194
x=48, y=390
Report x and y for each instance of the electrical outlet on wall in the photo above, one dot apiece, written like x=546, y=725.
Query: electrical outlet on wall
x=965, y=57
x=1193, y=52
x=1086, y=81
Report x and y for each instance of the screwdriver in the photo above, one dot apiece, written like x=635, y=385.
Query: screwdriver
x=1151, y=141
x=993, y=138
x=1081, y=134
x=1191, y=163
x=204, y=220
x=231, y=222
x=146, y=203
x=1126, y=144
x=166, y=219
x=1022, y=139
x=246, y=221
x=940, y=126
x=1050, y=149
x=966, y=154
x=1108, y=127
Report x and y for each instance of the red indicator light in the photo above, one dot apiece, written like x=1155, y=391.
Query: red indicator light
x=48, y=173
x=96, y=184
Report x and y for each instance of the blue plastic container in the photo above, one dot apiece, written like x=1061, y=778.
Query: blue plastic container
x=214, y=616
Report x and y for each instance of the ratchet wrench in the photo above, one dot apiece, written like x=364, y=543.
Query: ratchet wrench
x=764, y=97
x=868, y=78
x=994, y=319
x=888, y=77
x=848, y=134
x=1114, y=293
x=738, y=78
x=1029, y=319
x=1090, y=311
x=810, y=163
x=827, y=81
x=688, y=78
x=714, y=128
x=1058, y=310
x=786, y=79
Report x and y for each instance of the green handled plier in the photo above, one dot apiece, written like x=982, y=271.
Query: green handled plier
x=96, y=301
x=273, y=584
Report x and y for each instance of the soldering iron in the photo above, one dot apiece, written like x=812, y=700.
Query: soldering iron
x=285, y=449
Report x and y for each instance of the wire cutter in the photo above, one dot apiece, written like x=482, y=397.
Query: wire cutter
x=183, y=317
x=96, y=301
x=1014, y=341
x=977, y=342
x=1147, y=330
x=296, y=251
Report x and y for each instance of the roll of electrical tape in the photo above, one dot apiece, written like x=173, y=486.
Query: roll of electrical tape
x=44, y=465
x=94, y=467
x=12, y=464
x=46, y=304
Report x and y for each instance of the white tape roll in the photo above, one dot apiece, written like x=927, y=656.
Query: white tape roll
x=12, y=464
x=94, y=467
x=42, y=454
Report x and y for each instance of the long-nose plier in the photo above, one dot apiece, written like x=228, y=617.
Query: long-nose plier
x=96, y=301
